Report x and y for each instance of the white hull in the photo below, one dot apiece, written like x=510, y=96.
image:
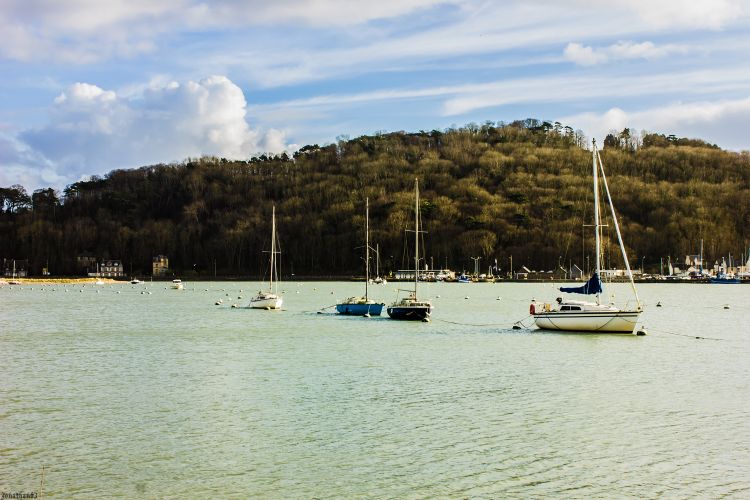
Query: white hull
x=179, y=286
x=273, y=302
x=588, y=321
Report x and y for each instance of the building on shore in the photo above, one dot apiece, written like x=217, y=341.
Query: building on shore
x=160, y=265
x=13, y=268
x=86, y=263
x=110, y=268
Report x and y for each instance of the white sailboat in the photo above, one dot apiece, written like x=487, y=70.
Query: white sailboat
x=584, y=316
x=270, y=299
x=410, y=307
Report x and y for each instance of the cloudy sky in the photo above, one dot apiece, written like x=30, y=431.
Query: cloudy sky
x=92, y=85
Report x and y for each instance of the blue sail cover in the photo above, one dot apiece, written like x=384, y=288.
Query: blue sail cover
x=592, y=286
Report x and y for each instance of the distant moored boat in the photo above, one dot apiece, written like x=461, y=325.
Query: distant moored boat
x=362, y=306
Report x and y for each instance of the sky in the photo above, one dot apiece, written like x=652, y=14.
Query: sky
x=89, y=86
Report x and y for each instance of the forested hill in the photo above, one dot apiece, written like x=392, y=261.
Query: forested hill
x=522, y=189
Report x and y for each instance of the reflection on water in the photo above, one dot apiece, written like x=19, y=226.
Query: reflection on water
x=166, y=394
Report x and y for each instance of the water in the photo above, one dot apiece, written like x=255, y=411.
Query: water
x=167, y=395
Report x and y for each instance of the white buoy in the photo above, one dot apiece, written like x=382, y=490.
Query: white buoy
x=367, y=315
x=467, y=297
x=726, y=306
x=497, y=298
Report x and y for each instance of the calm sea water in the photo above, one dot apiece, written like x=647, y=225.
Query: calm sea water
x=164, y=394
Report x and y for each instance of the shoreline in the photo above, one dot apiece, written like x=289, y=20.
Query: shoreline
x=56, y=281
x=113, y=281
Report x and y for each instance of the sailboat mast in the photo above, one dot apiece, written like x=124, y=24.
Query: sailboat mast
x=273, y=245
x=367, y=245
x=416, y=236
x=597, y=226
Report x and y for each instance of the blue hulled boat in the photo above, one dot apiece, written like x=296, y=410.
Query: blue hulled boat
x=359, y=306
x=362, y=306
x=725, y=279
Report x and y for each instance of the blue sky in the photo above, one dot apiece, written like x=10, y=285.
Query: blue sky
x=89, y=86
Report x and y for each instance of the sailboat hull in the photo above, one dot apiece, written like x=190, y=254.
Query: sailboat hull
x=273, y=302
x=359, y=309
x=418, y=313
x=725, y=281
x=588, y=322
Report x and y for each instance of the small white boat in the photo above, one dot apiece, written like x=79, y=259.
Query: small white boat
x=270, y=299
x=177, y=285
x=135, y=281
x=591, y=317
x=266, y=300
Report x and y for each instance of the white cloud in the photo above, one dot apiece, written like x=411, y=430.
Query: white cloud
x=92, y=130
x=712, y=14
x=22, y=165
x=585, y=56
x=580, y=87
x=85, y=31
x=721, y=122
x=589, y=56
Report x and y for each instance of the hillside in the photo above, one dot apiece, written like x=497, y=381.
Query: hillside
x=521, y=189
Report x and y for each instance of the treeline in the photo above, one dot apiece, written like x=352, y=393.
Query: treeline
x=492, y=191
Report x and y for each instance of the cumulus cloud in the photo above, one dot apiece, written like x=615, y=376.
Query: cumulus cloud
x=92, y=130
x=721, y=122
x=589, y=56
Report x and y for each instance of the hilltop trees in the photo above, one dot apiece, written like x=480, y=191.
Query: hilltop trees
x=488, y=191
